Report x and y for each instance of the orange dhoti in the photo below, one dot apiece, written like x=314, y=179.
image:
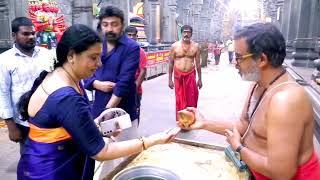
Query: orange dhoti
x=186, y=89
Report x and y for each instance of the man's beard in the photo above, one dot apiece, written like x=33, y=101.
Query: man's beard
x=27, y=46
x=253, y=75
x=110, y=36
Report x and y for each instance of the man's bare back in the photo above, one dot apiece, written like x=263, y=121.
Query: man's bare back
x=184, y=55
x=298, y=113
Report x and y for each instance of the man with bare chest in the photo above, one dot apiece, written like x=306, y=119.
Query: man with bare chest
x=184, y=62
x=274, y=134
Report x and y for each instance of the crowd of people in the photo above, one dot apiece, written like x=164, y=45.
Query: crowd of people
x=49, y=114
x=211, y=51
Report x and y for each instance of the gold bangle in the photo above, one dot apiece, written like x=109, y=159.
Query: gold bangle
x=143, y=144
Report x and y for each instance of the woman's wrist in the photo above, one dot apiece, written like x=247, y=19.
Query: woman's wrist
x=143, y=143
x=147, y=142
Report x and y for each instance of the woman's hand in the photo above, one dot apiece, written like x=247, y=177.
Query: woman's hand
x=115, y=133
x=107, y=115
x=162, y=138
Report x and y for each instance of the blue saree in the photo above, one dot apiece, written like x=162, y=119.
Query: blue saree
x=61, y=140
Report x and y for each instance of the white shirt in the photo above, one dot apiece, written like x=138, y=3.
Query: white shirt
x=17, y=74
x=230, y=46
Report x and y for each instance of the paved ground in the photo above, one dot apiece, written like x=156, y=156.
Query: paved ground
x=222, y=96
x=9, y=154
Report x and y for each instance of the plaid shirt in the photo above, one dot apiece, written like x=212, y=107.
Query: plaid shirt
x=17, y=74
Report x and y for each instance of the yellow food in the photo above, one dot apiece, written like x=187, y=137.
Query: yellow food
x=190, y=162
x=186, y=118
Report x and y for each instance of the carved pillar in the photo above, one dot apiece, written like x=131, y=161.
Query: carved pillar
x=66, y=9
x=279, y=12
x=20, y=8
x=285, y=18
x=168, y=21
x=196, y=9
x=82, y=12
x=10, y=9
x=153, y=20
x=286, y=21
x=292, y=26
x=5, y=22
x=307, y=33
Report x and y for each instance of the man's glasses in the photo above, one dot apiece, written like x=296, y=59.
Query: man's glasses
x=240, y=59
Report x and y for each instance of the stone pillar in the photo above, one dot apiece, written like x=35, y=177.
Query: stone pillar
x=153, y=20
x=307, y=33
x=279, y=12
x=187, y=14
x=66, y=9
x=10, y=9
x=196, y=9
x=184, y=11
x=285, y=26
x=203, y=20
x=146, y=14
x=21, y=8
x=292, y=26
x=5, y=22
x=82, y=12
x=204, y=29
x=216, y=23
x=285, y=18
x=168, y=21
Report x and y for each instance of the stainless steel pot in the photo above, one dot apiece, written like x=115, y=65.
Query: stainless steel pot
x=146, y=173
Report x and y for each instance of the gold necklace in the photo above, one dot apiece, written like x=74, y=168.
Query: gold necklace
x=77, y=85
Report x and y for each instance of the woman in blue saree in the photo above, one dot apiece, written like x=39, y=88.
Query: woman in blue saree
x=64, y=141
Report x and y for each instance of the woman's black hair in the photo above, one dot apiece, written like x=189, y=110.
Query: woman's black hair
x=77, y=38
